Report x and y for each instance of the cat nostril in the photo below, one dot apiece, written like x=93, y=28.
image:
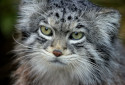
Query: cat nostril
x=64, y=48
x=51, y=45
x=57, y=53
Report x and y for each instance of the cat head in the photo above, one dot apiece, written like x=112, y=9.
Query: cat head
x=68, y=34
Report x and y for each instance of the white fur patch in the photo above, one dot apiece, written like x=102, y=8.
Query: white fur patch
x=77, y=41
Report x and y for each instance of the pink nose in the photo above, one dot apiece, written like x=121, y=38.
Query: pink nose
x=57, y=53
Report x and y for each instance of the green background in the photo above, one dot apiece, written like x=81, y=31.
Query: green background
x=8, y=15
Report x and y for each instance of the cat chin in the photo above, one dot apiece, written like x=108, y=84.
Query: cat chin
x=58, y=62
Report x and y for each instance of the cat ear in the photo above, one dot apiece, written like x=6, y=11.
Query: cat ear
x=108, y=22
x=109, y=17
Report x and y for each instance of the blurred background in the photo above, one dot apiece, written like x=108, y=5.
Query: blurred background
x=8, y=15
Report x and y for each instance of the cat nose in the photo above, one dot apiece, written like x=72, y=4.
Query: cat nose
x=57, y=53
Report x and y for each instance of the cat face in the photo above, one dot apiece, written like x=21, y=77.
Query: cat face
x=61, y=35
x=56, y=30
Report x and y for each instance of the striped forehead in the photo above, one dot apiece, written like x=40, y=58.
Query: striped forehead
x=60, y=19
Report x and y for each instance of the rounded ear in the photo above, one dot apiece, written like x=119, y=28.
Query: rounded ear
x=108, y=21
x=110, y=16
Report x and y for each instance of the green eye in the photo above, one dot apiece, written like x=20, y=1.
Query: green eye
x=76, y=35
x=46, y=31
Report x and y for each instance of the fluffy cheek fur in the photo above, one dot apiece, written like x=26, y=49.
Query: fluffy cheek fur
x=72, y=66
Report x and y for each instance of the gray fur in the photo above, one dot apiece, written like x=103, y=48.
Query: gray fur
x=92, y=60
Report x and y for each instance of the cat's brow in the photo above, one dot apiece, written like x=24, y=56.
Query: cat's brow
x=82, y=27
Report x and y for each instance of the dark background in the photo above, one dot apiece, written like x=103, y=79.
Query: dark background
x=8, y=15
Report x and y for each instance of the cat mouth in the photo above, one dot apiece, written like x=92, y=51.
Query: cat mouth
x=57, y=61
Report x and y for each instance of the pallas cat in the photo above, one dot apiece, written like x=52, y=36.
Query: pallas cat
x=68, y=42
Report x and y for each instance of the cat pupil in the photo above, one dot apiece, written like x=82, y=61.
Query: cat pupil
x=76, y=33
x=46, y=29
